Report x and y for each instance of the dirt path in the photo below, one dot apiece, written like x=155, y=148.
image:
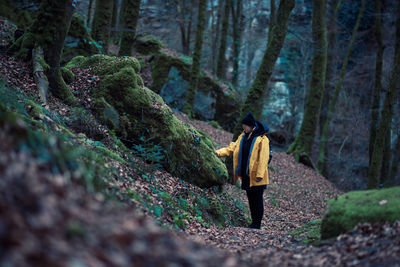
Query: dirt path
x=296, y=196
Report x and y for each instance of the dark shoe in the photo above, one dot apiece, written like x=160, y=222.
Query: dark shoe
x=253, y=226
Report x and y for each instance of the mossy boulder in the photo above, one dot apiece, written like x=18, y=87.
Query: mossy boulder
x=147, y=44
x=103, y=65
x=349, y=209
x=145, y=116
x=79, y=41
x=214, y=100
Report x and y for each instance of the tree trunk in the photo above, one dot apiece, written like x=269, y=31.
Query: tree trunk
x=272, y=19
x=386, y=114
x=222, y=46
x=395, y=162
x=131, y=16
x=325, y=130
x=101, y=25
x=254, y=98
x=237, y=20
x=387, y=151
x=113, y=29
x=378, y=74
x=195, y=70
x=185, y=25
x=89, y=13
x=49, y=31
x=38, y=73
x=216, y=36
x=332, y=29
x=302, y=145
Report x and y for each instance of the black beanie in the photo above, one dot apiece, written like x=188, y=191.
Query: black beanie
x=249, y=120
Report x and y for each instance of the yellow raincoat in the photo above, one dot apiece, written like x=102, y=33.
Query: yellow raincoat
x=258, y=162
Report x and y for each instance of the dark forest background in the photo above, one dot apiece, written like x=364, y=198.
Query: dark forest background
x=284, y=98
x=236, y=34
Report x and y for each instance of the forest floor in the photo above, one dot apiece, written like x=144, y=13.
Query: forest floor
x=46, y=221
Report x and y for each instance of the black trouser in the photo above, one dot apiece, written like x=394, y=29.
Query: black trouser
x=256, y=203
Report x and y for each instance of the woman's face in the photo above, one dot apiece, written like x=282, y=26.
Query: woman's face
x=247, y=129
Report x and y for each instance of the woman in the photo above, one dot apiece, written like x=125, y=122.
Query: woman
x=250, y=164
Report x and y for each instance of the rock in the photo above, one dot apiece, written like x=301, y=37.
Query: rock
x=147, y=44
x=277, y=110
x=78, y=40
x=355, y=207
x=139, y=115
x=214, y=100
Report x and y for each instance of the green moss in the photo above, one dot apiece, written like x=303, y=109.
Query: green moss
x=308, y=233
x=129, y=19
x=215, y=124
x=142, y=62
x=139, y=81
x=23, y=46
x=360, y=206
x=67, y=131
x=206, y=138
x=34, y=110
x=61, y=90
x=160, y=67
x=43, y=63
x=106, y=152
x=147, y=44
x=20, y=17
x=67, y=75
x=103, y=65
x=101, y=24
x=188, y=154
x=75, y=62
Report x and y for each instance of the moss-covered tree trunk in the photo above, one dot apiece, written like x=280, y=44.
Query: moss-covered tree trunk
x=378, y=74
x=237, y=20
x=113, y=30
x=61, y=21
x=195, y=70
x=185, y=20
x=89, y=13
x=302, y=145
x=130, y=18
x=386, y=114
x=387, y=152
x=254, y=97
x=332, y=29
x=272, y=18
x=325, y=130
x=216, y=35
x=49, y=31
x=101, y=25
x=395, y=162
x=222, y=46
